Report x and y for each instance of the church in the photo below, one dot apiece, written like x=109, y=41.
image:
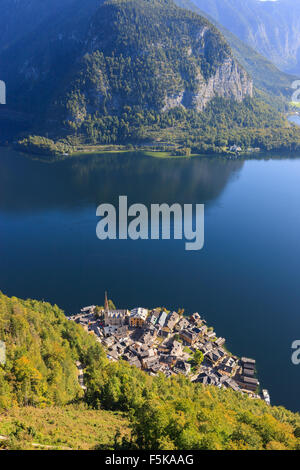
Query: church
x=115, y=317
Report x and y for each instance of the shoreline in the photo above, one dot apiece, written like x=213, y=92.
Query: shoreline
x=158, y=340
x=103, y=150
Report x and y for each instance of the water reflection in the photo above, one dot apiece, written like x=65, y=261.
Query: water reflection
x=245, y=280
x=27, y=185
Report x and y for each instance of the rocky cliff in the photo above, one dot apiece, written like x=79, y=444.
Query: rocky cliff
x=229, y=81
x=166, y=57
x=146, y=54
x=270, y=27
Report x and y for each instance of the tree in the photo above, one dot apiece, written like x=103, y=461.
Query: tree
x=198, y=357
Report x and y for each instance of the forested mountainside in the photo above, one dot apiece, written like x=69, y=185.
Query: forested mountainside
x=42, y=347
x=20, y=18
x=270, y=27
x=143, y=53
x=130, y=71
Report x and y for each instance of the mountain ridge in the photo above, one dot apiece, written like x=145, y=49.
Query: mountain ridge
x=266, y=76
x=272, y=28
x=129, y=71
x=39, y=66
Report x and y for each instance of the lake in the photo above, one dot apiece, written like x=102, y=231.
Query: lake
x=245, y=281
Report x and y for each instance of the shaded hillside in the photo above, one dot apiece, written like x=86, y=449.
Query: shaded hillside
x=134, y=71
x=147, y=54
x=21, y=17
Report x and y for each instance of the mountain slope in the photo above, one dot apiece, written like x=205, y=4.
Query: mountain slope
x=130, y=70
x=42, y=347
x=271, y=28
x=140, y=53
x=266, y=76
x=70, y=427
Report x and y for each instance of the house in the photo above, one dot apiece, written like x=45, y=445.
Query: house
x=182, y=324
x=149, y=331
x=162, y=319
x=144, y=354
x=172, y=319
x=215, y=355
x=207, y=347
x=182, y=367
x=220, y=341
x=227, y=365
x=249, y=372
x=113, y=355
x=150, y=362
x=156, y=312
x=127, y=356
x=168, y=359
x=89, y=309
x=108, y=342
x=250, y=383
x=152, y=320
x=135, y=349
x=250, y=362
x=120, y=348
x=147, y=338
x=207, y=378
x=235, y=148
x=115, y=317
x=165, y=332
x=176, y=349
x=138, y=317
x=221, y=352
x=122, y=331
x=203, y=329
x=196, y=318
x=97, y=330
x=134, y=361
x=230, y=383
x=211, y=334
x=188, y=336
x=109, y=330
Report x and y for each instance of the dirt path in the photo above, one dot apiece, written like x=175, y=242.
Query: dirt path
x=80, y=375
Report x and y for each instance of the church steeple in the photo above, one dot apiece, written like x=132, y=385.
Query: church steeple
x=106, y=307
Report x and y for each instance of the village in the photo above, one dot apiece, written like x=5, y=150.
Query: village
x=159, y=341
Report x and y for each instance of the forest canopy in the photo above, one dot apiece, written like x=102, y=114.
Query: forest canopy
x=43, y=347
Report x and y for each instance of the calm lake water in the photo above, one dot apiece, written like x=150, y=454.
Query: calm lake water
x=245, y=281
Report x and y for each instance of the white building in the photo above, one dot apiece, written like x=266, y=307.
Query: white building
x=138, y=316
